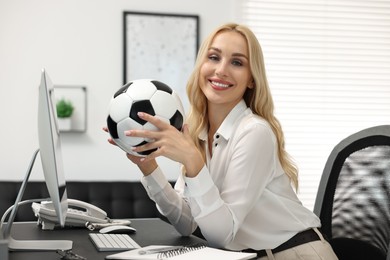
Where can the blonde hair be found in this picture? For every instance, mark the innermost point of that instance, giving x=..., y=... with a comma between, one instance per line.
x=259, y=98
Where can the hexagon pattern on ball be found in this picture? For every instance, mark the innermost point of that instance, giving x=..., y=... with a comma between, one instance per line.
x=142, y=95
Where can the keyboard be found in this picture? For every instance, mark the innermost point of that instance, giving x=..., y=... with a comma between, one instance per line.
x=113, y=242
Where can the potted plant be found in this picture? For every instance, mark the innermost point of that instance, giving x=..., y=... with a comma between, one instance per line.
x=64, y=112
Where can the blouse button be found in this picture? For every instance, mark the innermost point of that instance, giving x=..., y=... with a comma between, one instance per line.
x=217, y=136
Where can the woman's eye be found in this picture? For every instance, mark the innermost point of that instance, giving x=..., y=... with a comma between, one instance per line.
x=237, y=63
x=213, y=57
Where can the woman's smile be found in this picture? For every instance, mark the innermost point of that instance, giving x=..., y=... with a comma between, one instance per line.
x=218, y=84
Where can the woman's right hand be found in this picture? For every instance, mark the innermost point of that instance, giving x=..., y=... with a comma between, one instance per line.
x=145, y=167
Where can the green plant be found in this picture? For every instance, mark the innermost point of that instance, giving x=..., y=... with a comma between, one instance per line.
x=64, y=108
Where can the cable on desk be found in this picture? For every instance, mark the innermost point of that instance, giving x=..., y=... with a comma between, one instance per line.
x=10, y=209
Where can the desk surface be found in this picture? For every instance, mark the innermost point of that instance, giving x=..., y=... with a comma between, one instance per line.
x=149, y=232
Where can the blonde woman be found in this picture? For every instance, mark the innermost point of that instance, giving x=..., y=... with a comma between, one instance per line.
x=237, y=182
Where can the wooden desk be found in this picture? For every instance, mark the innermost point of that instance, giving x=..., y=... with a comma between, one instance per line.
x=149, y=231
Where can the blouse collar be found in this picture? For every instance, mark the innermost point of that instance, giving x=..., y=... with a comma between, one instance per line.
x=227, y=127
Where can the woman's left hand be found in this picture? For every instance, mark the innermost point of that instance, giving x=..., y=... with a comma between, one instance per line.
x=170, y=142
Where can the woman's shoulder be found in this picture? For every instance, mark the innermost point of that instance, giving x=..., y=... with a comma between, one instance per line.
x=251, y=122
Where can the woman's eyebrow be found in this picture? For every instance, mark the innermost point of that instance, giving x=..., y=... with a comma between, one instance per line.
x=215, y=49
x=238, y=54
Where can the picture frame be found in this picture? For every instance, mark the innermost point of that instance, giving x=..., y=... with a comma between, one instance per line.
x=160, y=46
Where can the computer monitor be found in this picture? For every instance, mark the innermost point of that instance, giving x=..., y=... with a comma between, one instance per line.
x=52, y=165
x=50, y=147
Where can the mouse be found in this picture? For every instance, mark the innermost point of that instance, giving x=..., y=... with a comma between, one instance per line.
x=118, y=229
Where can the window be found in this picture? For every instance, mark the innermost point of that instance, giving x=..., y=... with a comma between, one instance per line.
x=328, y=66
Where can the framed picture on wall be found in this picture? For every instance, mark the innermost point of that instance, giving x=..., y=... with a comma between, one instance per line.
x=160, y=46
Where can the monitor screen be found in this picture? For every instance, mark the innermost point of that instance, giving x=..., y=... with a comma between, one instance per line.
x=50, y=147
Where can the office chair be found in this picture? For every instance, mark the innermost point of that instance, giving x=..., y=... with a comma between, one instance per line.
x=353, y=199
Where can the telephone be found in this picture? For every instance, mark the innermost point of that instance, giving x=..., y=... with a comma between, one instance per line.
x=78, y=214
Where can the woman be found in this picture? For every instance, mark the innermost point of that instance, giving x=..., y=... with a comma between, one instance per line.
x=237, y=178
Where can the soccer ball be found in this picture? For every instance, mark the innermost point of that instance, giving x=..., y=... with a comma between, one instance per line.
x=142, y=95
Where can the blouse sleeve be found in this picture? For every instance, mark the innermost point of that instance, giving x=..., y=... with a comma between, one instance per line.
x=169, y=202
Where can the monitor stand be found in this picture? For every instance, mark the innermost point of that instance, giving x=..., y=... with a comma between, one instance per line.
x=3, y=248
x=30, y=245
x=38, y=245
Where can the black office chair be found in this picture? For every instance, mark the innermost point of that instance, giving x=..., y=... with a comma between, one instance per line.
x=353, y=199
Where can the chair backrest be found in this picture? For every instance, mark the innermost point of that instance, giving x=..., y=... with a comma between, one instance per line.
x=353, y=199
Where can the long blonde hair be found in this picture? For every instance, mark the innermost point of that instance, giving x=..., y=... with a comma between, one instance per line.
x=259, y=98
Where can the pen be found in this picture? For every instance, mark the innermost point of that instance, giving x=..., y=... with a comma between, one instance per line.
x=158, y=250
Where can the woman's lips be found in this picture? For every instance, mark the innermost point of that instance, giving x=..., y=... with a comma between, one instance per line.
x=220, y=85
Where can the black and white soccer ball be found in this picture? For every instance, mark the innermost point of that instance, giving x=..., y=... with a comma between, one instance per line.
x=142, y=95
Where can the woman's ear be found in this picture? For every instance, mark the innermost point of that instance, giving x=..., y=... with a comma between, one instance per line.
x=251, y=85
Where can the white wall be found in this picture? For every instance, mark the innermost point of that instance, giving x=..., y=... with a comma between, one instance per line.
x=79, y=42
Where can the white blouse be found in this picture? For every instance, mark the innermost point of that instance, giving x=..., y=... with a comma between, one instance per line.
x=241, y=198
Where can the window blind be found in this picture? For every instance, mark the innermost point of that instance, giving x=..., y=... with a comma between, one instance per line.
x=328, y=66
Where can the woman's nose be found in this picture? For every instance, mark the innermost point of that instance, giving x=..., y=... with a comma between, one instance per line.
x=221, y=69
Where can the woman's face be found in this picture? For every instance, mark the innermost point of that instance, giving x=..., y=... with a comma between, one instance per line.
x=225, y=73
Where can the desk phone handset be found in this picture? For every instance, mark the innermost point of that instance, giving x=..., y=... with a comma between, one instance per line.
x=78, y=214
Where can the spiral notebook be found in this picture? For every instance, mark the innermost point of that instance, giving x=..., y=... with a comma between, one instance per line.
x=187, y=253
